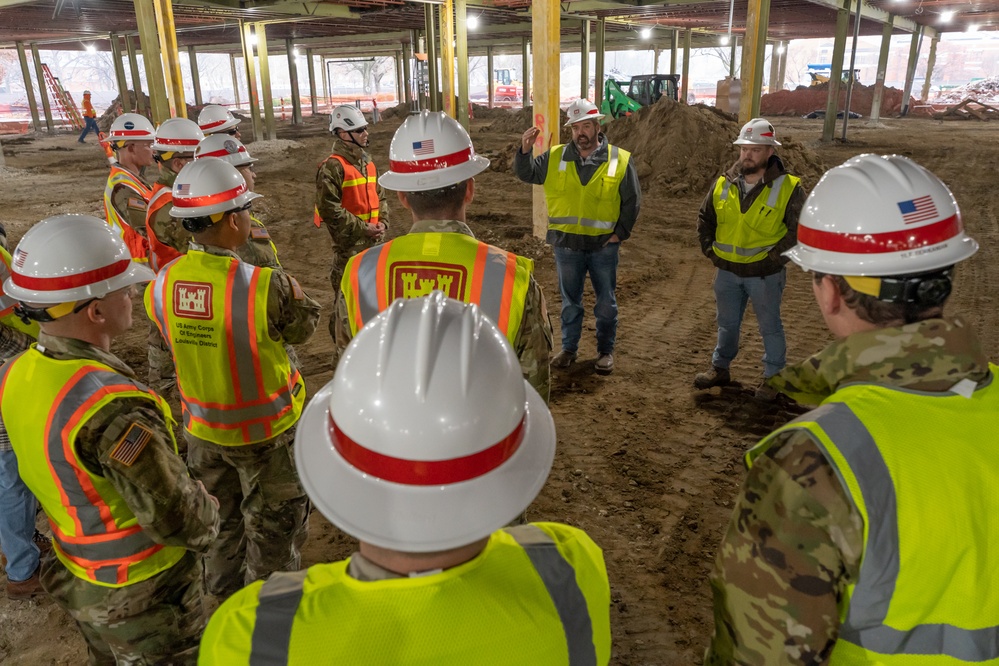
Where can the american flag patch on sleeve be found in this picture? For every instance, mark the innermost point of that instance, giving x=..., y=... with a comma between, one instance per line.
x=128, y=448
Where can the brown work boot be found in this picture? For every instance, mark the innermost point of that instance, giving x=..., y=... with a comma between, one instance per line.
x=604, y=364
x=765, y=392
x=25, y=589
x=43, y=542
x=714, y=377
x=563, y=359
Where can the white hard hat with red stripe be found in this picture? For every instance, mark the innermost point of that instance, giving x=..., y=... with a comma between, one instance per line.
x=582, y=109
x=208, y=186
x=178, y=135
x=880, y=215
x=430, y=151
x=214, y=118
x=428, y=437
x=757, y=132
x=226, y=148
x=68, y=258
x=131, y=127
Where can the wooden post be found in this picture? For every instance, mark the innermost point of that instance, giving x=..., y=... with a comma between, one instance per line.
x=836, y=75
x=774, y=67
x=753, y=47
x=159, y=105
x=29, y=89
x=931, y=60
x=461, y=49
x=267, y=97
x=252, y=93
x=545, y=18
x=43, y=92
x=119, y=73
x=673, y=47
x=192, y=55
x=598, y=65
x=879, y=83
x=447, y=57
x=141, y=106
x=910, y=72
x=171, y=58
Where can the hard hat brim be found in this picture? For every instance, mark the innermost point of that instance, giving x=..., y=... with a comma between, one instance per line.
x=884, y=264
x=202, y=211
x=746, y=142
x=433, y=180
x=421, y=519
x=591, y=116
x=135, y=274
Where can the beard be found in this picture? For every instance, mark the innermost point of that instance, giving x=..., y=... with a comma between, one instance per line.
x=749, y=167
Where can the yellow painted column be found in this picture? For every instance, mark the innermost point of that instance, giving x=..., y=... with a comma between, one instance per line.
x=584, y=59
x=267, y=97
x=447, y=56
x=28, y=88
x=133, y=67
x=171, y=58
x=930, y=62
x=43, y=93
x=461, y=51
x=753, y=46
x=119, y=73
x=253, y=93
x=545, y=18
x=145, y=15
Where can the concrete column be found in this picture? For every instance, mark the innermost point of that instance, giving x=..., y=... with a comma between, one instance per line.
x=312, y=80
x=684, y=87
x=296, y=95
x=584, y=59
x=655, y=59
x=836, y=75
x=29, y=89
x=171, y=58
x=235, y=79
x=857, y=18
x=879, y=83
x=461, y=51
x=910, y=73
x=447, y=57
x=140, y=105
x=43, y=92
x=407, y=72
x=731, y=56
x=931, y=60
x=431, y=43
x=145, y=15
x=119, y=73
x=753, y=51
x=674, y=41
x=598, y=65
x=195, y=76
x=266, y=96
x=252, y=93
x=545, y=17
x=525, y=56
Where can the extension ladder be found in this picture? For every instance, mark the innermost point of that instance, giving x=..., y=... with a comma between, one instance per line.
x=63, y=100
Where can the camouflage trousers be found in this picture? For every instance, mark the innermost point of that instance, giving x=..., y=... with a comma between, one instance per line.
x=156, y=621
x=162, y=373
x=263, y=510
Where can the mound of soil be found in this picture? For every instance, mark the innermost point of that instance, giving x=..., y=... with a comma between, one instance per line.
x=805, y=99
x=516, y=120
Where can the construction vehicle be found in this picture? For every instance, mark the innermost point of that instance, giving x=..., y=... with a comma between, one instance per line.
x=643, y=90
x=821, y=73
x=507, y=88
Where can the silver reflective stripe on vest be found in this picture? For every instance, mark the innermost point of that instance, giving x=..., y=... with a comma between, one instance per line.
x=367, y=283
x=741, y=251
x=560, y=581
x=865, y=622
x=583, y=222
x=493, y=283
x=278, y=602
x=612, y=163
x=775, y=188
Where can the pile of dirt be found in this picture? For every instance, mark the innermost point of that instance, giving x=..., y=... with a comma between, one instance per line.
x=805, y=99
x=483, y=112
x=393, y=111
x=682, y=149
x=986, y=90
x=516, y=121
x=115, y=109
x=275, y=148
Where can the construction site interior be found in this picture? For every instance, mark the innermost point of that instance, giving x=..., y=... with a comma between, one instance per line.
x=647, y=466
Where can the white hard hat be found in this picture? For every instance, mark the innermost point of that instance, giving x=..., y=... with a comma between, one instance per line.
x=68, y=258
x=131, y=127
x=582, y=109
x=178, y=135
x=348, y=118
x=214, y=118
x=880, y=215
x=428, y=437
x=757, y=132
x=226, y=148
x=208, y=186
x=430, y=151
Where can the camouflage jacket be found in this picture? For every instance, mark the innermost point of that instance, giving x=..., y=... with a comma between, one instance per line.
x=259, y=249
x=533, y=343
x=346, y=229
x=795, y=540
x=168, y=229
x=130, y=204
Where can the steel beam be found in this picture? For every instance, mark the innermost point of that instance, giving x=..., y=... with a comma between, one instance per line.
x=584, y=59
x=930, y=61
x=836, y=75
x=145, y=15
x=782, y=74
x=29, y=89
x=598, y=69
x=195, y=76
x=461, y=51
x=431, y=44
x=296, y=95
x=853, y=64
x=673, y=43
x=910, y=73
x=447, y=57
x=312, y=80
x=252, y=92
x=544, y=31
x=731, y=56
x=873, y=13
x=407, y=73
x=119, y=73
x=879, y=83
x=43, y=92
x=266, y=96
x=753, y=46
x=235, y=79
x=171, y=57
x=685, y=75
x=491, y=85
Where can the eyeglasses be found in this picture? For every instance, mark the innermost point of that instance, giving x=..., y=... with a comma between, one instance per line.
x=358, y=131
x=233, y=132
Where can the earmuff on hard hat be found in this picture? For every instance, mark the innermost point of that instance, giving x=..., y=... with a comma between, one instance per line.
x=925, y=290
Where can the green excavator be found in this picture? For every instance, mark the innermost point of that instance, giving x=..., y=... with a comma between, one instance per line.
x=643, y=90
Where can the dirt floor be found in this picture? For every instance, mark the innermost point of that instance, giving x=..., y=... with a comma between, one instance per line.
x=646, y=465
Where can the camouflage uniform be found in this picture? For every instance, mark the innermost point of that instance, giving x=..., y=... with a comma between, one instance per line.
x=795, y=541
x=259, y=250
x=158, y=620
x=130, y=204
x=263, y=507
x=533, y=343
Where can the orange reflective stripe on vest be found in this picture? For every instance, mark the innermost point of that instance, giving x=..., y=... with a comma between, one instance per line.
x=358, y=193
x=160, y=254
x=137, y=245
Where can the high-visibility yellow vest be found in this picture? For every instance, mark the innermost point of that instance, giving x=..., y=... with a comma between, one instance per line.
x=743, y=238
x=358, y=192
x=537, y=594
x=921, y=470
x=137, y=245
x=236, y=384
x=95, y=533
x=7, y=303
x=588, y=210
x=463, y=268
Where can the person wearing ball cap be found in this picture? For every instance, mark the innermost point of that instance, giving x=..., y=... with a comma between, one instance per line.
x=425, y=444
x=226, y=322
x=433, y=168
x=864, y=533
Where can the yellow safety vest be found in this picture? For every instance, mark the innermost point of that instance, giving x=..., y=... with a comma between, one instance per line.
x=537, y=594
x=745, y=238
x=95, y=533
x=921, y=470
x=236, y=384
x=463, y=268
x=7, y=303
x=137, y=245
x=588, y=210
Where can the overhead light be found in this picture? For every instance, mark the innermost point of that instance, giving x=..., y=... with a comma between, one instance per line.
x=725, y=39
x=472, y=22
x=780, y=49
x=646, y=33
x=972, y=28
x=91, y=48
x=946, y=16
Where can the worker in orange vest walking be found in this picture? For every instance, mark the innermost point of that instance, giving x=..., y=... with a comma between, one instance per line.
x=126, y=194
x=226, y=322
x=89, y=118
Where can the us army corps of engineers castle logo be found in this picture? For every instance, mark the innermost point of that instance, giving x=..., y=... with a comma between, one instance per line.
x=413, y=279
x=192, y=300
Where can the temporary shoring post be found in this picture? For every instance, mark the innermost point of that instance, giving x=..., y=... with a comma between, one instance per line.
x=42, y=92
x=407, y=72
x=836, y=73
x=761, y=39
x=910, y=71
x=774, y=67
x=655, y=58
x=312, y=80
x=879, y=85
x=731, y=55
x=674, y=42
x=930, y=61
x=545, y=25
x=431, y=62
x=461, y=42
x=491, y=85
x=28, y=87
x=525, y=59
x=195, y=75
x=399, y=78
x=584, y=59
x=119, y=73
x=447, y=56
x=253, y=95
x=753, y=47
x=145, y=15
x=235, y=79
x=171, y=58
x=782, y=72
x=853, y=63
x=133, y=69
x=324, y=75
x=267, y=97
x=296, y=95
x=598, y=65
x=686, y=67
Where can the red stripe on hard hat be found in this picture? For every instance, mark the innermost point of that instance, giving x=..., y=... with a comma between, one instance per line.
x=119, y=133
x=70, y=281
x=432, y=164
x=890, y=241
x=178, y=142
x=767, y=134
x=425, y=472
x=222, y=153
x=592, y=112
x=208, y=199
x=215, y=123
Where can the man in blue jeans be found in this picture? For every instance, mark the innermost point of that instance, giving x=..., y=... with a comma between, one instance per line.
x=746, y=223
x=593, y=197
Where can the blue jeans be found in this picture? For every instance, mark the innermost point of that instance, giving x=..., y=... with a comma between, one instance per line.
x=731, y=293
x=90, y=126
x=17, y=521
x=573, y=265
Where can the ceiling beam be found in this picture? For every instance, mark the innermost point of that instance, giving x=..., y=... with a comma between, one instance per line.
x=880, y=16
x=305, y=9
